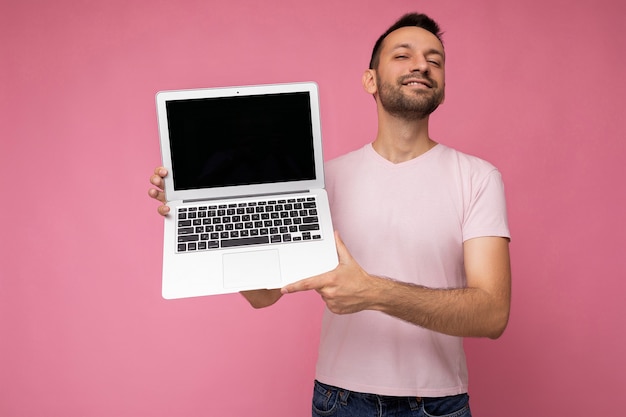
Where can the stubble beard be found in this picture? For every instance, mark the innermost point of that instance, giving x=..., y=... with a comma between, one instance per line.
x=417, y=105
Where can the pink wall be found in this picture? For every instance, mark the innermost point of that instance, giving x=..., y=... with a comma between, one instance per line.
x=537, y=87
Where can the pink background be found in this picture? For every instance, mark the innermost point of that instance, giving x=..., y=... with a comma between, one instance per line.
x=536, y=87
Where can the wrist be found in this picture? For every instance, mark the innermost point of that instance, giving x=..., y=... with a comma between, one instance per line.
x=382, y=293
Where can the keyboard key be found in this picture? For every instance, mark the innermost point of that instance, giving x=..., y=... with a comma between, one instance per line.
x=228, y=243
x=188, y=238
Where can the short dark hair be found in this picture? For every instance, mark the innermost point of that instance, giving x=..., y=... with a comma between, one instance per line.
x=410, y=19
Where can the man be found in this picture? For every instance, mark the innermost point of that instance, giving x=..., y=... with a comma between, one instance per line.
x=422, y=239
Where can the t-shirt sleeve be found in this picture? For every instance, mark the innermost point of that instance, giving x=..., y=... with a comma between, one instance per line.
x=486, y=214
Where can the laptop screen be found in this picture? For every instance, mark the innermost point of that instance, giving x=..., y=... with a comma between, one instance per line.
x=240, y=140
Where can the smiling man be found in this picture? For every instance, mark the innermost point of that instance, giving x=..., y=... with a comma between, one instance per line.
x=422, y=239
x=426, y=75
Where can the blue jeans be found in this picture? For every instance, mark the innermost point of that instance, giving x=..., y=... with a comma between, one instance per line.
x=337, y=402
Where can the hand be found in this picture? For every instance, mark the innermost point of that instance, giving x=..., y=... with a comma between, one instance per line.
x=346, y=289
x=261, y=298
x=159, y=193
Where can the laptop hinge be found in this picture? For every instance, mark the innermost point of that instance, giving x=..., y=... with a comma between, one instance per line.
x=239, y=197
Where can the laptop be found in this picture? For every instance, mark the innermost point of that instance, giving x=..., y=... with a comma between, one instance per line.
x=245, y=187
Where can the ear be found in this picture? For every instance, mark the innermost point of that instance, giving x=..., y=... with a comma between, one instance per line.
x=369, y=81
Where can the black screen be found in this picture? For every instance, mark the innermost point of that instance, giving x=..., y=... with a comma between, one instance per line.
x=242, y=140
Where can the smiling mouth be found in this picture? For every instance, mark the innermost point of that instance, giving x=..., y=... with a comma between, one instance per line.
x=417, y=83
x=413, y=80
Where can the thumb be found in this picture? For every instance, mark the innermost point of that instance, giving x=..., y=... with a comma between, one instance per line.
x=342, y=250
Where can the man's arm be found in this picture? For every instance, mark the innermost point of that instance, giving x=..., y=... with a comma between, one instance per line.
x=480, y=310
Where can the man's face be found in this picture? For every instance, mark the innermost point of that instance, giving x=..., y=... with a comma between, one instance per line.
x=410, y=77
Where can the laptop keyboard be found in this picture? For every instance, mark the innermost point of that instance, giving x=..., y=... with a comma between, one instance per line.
x=209, y=227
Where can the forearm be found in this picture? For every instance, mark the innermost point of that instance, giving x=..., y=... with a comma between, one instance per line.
x=261, y=298
x=468, y=312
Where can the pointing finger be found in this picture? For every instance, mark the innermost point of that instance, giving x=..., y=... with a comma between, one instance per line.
x=307, y=284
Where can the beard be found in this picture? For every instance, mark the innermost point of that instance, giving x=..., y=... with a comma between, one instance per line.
x=414, y=106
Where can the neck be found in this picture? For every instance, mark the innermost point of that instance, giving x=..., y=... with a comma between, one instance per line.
x=400, y=140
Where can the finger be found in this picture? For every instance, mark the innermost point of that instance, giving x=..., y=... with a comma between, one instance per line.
x=342, y=250
x=160, y=171
x=163, y=210
x=157, y=178
x=306, y=284
x=157, y=181
x=157, y=194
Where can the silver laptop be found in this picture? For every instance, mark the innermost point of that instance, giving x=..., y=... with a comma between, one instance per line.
x=245, y=187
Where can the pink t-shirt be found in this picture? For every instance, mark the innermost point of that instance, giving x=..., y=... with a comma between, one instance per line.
x=408, y=222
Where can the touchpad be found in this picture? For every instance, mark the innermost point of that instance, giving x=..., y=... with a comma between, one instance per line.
x=254, y=270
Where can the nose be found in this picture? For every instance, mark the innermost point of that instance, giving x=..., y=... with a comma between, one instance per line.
x=419, y=64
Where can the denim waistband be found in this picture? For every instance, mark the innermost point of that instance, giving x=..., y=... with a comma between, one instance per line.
x=414, y=401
